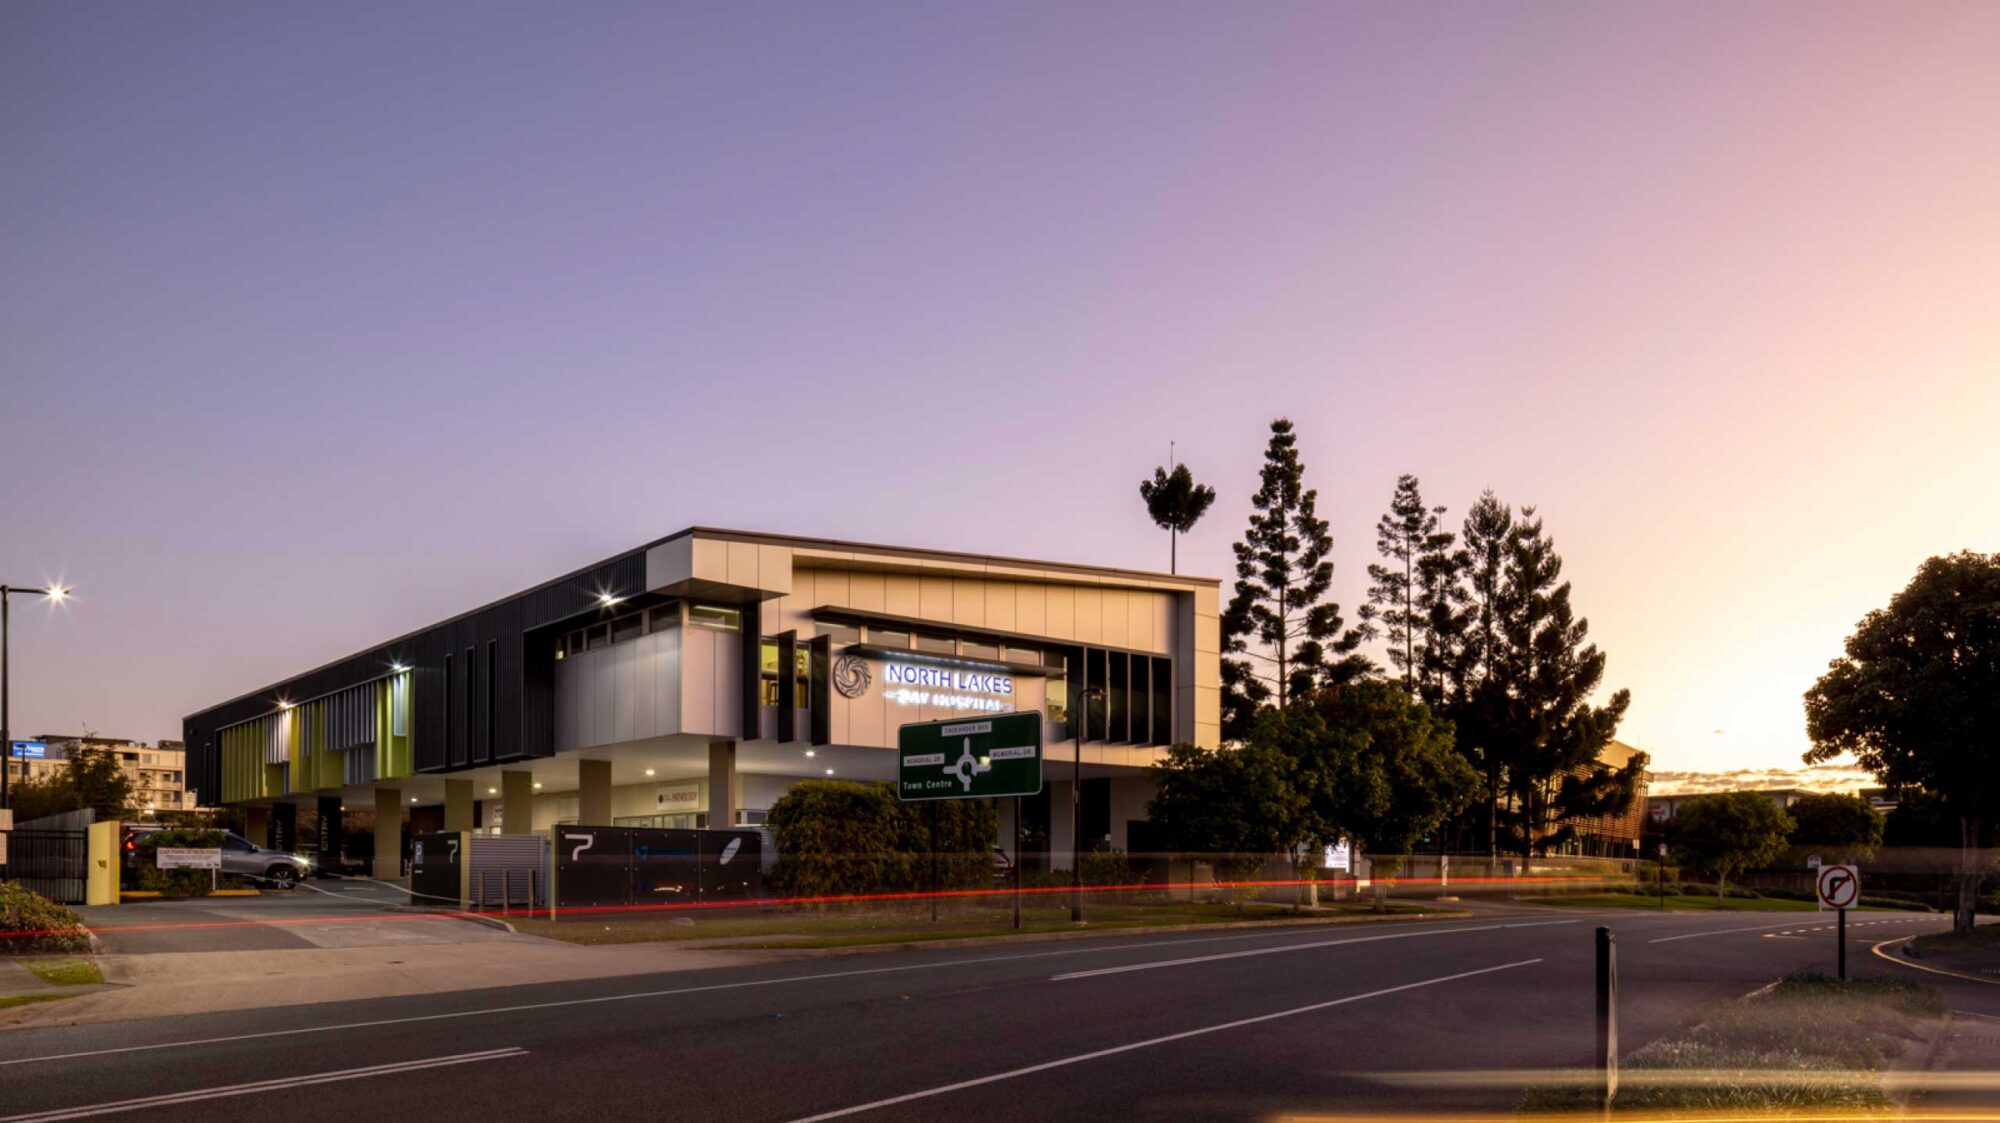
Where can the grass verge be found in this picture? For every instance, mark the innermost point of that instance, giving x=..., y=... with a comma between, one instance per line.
x=1986, y=937
x=906, y=924
x=66, y=972
x=10, y=1001
x=1809, y=1044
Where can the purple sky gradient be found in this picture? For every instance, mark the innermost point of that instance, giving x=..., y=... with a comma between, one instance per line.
x=320, y=323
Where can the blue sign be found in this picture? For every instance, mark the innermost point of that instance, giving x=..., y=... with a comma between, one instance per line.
x=31, y=750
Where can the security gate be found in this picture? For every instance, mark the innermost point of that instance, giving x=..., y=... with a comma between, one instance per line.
x=55, y=864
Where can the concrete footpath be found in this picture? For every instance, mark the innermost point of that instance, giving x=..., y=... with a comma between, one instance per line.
x=167, y=984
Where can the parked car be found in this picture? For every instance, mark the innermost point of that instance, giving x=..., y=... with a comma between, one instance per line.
x=240, y=857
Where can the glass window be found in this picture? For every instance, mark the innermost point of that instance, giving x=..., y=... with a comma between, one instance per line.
x=1163, y=702
x=1056, y=687
x=1032, y=656
x=715, y=616
x=936, y=645
x=232, y=843
x=973, y=649
x=767, y=672
x=597, y=636
x=664, y=617
x=575, y=642
x=627, y=627
x=1117, y=697
x=888, y=637
x=839, y=633
x=802, y=684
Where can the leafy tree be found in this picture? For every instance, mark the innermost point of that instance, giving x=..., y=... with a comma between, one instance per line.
x=1406, y=537
x=1236, y=807
x=1721, y=834
x=1176, y=503
x=1839, y=828
x=1279, y=614
x=1916, y=699
x=1441, y=599
x=841, y=837
x=1390, y=775
x=91, y=777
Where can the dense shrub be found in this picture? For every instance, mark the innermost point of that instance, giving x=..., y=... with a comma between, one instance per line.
x=174, y=883
x=1108, y=866
x=32, y=924
x=840, y=837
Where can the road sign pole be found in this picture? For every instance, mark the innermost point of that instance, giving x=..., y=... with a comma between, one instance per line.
x=1607, y=1017
x=1843, y=945
x=1017, y=862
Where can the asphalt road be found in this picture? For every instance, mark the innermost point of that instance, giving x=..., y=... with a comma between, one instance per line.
x=1225, y=1025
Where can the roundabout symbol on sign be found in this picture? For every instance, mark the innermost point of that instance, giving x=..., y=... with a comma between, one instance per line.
x=1839, y=886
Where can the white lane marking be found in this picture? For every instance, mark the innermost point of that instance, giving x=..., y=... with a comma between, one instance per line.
x=281, y=1084
x=1097, y=949
x=1762, y=927
x=1151, y=1041
x=1289, y=947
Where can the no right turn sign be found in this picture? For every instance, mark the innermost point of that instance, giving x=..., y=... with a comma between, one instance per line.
x=1839, y=886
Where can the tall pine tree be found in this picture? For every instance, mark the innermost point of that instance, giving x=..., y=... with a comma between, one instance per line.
x=1279, y=616
x=1551, y=734
x=1405, y=537
x=1477, y=704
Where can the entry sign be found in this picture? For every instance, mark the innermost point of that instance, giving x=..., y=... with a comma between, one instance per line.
x=189, y=858
x=975, y=758
x=1839, y=886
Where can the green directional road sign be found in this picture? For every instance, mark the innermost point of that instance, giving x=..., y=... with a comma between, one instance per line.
x=970, y=758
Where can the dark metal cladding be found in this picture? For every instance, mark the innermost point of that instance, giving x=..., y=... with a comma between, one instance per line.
x=503, y=663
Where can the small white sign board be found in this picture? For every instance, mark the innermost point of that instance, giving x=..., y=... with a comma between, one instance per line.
x=1839, y=886
x=188, y=858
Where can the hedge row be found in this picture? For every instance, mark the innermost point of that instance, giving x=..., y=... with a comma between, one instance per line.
x=32, y=924
x=840, y=837
x=175, y=883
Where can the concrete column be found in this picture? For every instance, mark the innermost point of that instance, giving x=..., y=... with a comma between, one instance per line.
x=458, y=805
x=517, y=802
x=257, y=825
x=331, y=835
x=725, y=789
x=388, y=833
x=284, y=834
x=593, y=793
x=1061, y=824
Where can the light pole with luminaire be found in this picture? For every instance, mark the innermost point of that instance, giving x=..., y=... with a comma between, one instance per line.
x=1080, y=715
x=55, y=593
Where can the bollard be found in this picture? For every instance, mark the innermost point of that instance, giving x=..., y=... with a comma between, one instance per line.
x=1607, y=1017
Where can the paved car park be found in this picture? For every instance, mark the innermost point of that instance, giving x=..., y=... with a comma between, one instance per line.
x=321, y=914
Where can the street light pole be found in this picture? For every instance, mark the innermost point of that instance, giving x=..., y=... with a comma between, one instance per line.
x=55, y=593
x=1079, y=716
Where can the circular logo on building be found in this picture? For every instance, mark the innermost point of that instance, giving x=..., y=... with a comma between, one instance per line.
x=850, y=676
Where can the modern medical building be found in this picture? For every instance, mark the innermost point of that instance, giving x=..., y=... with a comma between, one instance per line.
x=689, y=682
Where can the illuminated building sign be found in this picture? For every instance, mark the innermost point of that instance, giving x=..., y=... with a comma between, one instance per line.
x=913, y=685
x=31, y=750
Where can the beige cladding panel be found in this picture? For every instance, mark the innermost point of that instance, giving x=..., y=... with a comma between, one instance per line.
x=1000, y=615
x=1089, y=623
x=902, y=596
x=968, y=602
x=1031, y=609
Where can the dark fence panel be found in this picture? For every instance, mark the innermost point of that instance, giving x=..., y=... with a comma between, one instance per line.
x=55, y=864
x=622, y=866
x=434, y=867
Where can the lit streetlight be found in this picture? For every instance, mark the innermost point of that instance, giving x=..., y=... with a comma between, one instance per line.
x=55, y=594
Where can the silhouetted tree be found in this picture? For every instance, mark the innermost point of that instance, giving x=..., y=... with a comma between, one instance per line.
x=1279, y=613
x=1405, y=536
x=1916, y=699
x=1176, y=503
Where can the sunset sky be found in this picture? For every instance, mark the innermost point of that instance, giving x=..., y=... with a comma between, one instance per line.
x=320, y=323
